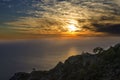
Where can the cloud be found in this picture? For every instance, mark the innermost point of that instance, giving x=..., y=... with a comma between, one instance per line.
x=39, y=25
x=52, y=16
x=113, y=29
x=117, y=2
x=75, y=9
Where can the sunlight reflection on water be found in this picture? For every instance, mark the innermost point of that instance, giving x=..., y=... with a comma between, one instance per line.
x=72, y=52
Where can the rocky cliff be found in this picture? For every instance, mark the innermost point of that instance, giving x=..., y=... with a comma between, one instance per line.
x=104, y=65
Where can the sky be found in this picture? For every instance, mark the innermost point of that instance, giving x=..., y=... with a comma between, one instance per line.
x=29, y=19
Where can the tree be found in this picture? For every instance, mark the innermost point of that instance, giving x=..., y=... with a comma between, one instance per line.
x=34, y=69
x=98, y=50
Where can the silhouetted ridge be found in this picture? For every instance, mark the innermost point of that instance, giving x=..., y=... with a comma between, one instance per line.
x=104, y=65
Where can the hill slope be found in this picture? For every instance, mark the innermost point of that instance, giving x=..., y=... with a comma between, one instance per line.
x=105, y=65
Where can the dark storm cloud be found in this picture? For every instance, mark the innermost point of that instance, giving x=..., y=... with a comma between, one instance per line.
x=108, y=28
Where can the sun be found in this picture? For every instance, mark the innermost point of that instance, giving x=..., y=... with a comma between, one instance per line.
x=72, y=28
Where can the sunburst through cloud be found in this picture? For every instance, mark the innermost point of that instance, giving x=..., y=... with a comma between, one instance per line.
x=52, y=16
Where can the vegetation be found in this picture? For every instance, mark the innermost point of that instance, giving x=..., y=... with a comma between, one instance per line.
x=104, y=65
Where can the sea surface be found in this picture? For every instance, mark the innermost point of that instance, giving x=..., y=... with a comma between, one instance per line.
x=44, y=54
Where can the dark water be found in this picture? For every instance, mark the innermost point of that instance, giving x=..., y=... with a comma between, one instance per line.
x=23, y=55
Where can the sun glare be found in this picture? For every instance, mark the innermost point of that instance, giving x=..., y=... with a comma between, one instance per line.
x=72, y=28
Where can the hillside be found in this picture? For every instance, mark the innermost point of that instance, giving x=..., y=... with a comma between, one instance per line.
x=104, y=65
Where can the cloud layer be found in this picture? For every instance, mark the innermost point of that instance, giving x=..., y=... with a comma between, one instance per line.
x=53, y=17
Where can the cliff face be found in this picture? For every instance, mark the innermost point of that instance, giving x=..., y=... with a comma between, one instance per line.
x=102, y=66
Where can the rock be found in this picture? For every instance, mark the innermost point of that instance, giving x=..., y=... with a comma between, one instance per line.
x=20, y=76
